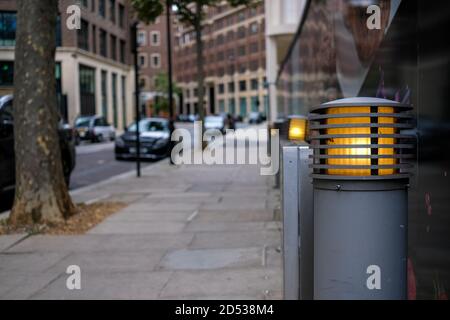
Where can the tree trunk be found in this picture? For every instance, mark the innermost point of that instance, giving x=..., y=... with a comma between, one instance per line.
x=200, y=72
x=41, y=193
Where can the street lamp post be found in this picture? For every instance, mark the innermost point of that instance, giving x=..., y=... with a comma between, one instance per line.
x=137, y=93
x=169, y=58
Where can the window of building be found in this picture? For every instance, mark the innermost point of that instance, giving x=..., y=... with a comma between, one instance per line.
x=231, y=69
x=231, y=87
x=58, y=31
x=230, y=54
x=230, y=36
x=122, y=51
x=121, y=16
x=83, y=35
x=93, y=5
x=124, y=100
x=220, y=56
x=242, y=67
x=84, y=3
x=103, y=43
x=104, y=93
x=113, y=40
x=114, y=99
x=102, y=8
x=94, y=39
x=141, y=38
x=241, y=32
x=196, y=92
x=253, y=47
x=255, y=104
x=221, y=88
x=8, y=25
x=155, y=38
x=219, y=39
x=254, y=65
x=241, y=16
x=241, y=51
x=243, y=107
x=143, y=60
x=6, y=73
x=243, y=85
x=112, y=10
x=142, y=82
x=87, y=90
x=156, y=60
x=254, y=84
x=221, y=106
x=254, y=28
x=232, y=106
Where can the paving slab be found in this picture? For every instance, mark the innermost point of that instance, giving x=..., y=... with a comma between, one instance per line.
x=252, y=282
x=29, y=262
x=126, y=215
x=7, y=241
x=213, y=259
x=102, y=243
x=213, y=226
x=243, y=215
x=112, y=262
x=19, y=286
x=235, y=239
x=138, y=227
x=104, y=285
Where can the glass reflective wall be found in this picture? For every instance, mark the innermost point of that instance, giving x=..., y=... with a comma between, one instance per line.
x=335, y=55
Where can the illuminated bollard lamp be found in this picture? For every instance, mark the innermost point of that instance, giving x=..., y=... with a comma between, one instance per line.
x=360, y=181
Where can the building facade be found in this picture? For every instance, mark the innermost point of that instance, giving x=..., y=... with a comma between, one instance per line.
x=153, y=57
x=281, y=26
x=234, y=49
x=93, y=64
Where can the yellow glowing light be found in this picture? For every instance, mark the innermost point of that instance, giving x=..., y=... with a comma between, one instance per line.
x=297, y=129
x=360, y=151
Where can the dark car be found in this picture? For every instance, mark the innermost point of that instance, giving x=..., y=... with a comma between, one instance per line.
x=94, y=128
x=255, y=117
x=7, y=156
x=154, y=140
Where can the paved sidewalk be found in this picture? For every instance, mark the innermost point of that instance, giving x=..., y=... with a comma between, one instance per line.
x=190, y=232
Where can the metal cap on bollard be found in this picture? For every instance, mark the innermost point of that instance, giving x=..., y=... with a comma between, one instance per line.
x=360, y=178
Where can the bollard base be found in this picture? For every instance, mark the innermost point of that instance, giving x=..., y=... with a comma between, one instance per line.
x=360, y=239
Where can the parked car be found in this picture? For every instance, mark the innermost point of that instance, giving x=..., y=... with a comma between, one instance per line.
x=193, y=117
x=229, y=120
x=215, y=122
x=94, y=128
x=255, y=117
x=183, y=118
x=154, y=140
x=7, y=155
x=237, y=118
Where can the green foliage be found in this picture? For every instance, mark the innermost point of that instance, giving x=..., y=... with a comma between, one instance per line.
x=162, y=86
x=149, y=10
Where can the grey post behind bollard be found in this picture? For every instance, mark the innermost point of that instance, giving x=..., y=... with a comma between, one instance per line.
x=360, y=239
x=298, y=223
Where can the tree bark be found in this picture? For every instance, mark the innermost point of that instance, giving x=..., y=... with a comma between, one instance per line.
x=200, y=72
x=41, y=193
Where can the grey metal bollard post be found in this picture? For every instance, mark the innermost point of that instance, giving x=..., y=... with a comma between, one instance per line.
x=360, y=198
x=298, y=223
